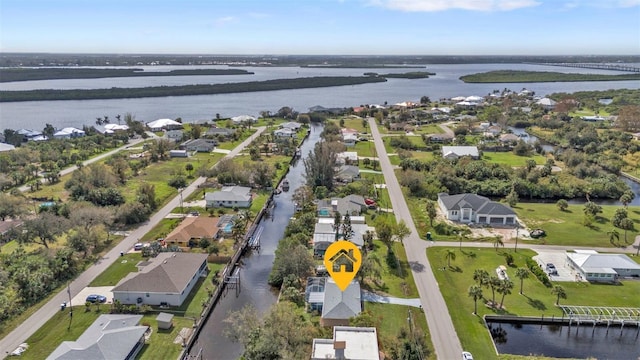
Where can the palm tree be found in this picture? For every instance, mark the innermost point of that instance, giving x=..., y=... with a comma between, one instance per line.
x=481, y=276
x=505, y=289
x=613, y=235
x=522, y=273
x=494, y=283
x=450, y=255
x=559, y=292
x=497, y=241
x=432, y=212
x=99, y=121
x=626, y=224
x=475, y=292
x=119, y=118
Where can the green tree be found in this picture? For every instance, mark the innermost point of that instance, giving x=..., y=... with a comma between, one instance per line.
x=146, y=195
x=320, y=165
x=591, y=208
x=401, y=231
x=481, y=277
x=432, y=212
x=494, y=284
x=559, y=292
x=497, y=241
x=384, y=231
x=475, y=292
x=625, y=199
x=522, y=273
x=189, y=168
x=562, y=205
x=450, y=255
x=626, y=224
x=45, y=228
x=614, y=236
x=505, y=289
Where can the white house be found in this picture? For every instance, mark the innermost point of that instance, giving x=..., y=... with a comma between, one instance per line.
x=68, y=133
x=164, y=124
x=238, y=120
x=293, y=125
x=285, y=133
x=166, y=279
x=109, y=337
x=6, y=147
x=229, y=196
x=596, y=267
x=349, y=139
x=546, y=103
x=454, y=152
x=472, y=208
x=358, y=343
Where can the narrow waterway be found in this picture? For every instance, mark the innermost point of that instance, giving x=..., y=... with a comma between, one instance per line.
x=255, y=269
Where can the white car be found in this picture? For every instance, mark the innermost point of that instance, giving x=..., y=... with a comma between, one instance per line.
x=467, y=355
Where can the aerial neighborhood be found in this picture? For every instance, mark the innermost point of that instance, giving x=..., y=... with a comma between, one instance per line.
x=473, y=216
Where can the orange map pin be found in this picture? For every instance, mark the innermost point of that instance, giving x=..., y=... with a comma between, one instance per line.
x=342, y=260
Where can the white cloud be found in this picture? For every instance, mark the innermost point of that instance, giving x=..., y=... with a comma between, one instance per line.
x=441, y=5
x=224, y=20
x=602, y=3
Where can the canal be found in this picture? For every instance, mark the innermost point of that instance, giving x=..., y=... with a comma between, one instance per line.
x=255, y=268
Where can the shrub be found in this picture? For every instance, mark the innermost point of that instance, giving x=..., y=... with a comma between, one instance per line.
x=538, y=272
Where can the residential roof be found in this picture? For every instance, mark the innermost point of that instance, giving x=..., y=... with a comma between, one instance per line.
x=460, y=151
x=603, y=263
x=348, y=171
x=116, y=127
x=479, y=204
x=284, y=131
x=69, y=131
x=220, y=131
x=195, y=227
x=241, y=118
x=6, y=147
x=291, y=125
x=230, y=193
x=199, y=143
x=360, y=343
x=509, y=137
x=164, y=317
x=162, y=123
x=341, y=304
x=166, y=273
x=109, y=337
x=546, y=102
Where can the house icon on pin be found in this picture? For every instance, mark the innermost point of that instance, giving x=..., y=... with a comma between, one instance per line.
x=343, y=258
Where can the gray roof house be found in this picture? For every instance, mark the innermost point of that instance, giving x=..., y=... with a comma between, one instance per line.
x=454, y=152
x=350, y=204
x=602, y=267
x=164, y=280
x=229, y=196
x=224, y=132
x=347, y=173
x=174, y=135
x=472, y=208
x=199, y=145
x=339, y=306
x=291, y=125
x=109, y=337
x=285, y=133
x=324, y=235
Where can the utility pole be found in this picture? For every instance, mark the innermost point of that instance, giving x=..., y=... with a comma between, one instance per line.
x=517, y=228
x=70, y=307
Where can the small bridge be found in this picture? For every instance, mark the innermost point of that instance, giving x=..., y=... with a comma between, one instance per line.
x=602, y=315
x=612, y=67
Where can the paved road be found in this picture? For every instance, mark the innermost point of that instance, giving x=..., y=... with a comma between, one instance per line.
x=443, y=334
x=40, y=317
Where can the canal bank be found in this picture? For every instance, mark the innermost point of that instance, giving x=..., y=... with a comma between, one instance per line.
x=254, y=268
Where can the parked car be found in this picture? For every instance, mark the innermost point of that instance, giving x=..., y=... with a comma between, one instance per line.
x=537, y=233
x=551, y=269
x=467, y=355
x=94, y=298
x=137, y=246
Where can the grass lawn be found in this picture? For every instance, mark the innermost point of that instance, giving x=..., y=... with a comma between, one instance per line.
x=160, y=345
x=429, y=129
x=163, y=228
x=565, y=228
x=511, y=159
x=354, y=123
x=56, y=330
x=364, y=148
x=395, y=282
x=392, y=318
x=536, y=301
x=118, y=270
x=230, y=145
x=192, y=306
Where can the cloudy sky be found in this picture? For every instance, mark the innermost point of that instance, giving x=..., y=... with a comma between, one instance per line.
x=338, y=27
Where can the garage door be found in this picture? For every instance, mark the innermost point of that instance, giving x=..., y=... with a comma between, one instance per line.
x=510, y=220
x=496, y=220
x=482, y=219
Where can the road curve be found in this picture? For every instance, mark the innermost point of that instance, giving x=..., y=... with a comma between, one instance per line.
x=21, y=333
x=443, y=335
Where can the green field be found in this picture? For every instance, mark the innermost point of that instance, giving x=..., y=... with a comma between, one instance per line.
x=364, y=148
x=514, y=76
x=536, y=301
x=395, y=282
x=565, y=228
x=511, y=159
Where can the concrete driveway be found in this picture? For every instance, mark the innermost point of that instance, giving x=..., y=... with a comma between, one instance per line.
x=559, y=259
x=81, y=298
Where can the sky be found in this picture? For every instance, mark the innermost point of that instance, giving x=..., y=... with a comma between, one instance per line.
x=322, y=27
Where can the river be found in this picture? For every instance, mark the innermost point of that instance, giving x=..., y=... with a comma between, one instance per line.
x=445, y=84
x=255, y=269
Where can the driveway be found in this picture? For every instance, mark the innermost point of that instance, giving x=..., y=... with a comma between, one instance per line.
x=81, y=298
x=559, y=259
x=373, y=297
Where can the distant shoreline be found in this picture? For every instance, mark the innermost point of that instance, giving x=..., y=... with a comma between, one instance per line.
x=514, y=76
x=29, y=74
x=186, y=90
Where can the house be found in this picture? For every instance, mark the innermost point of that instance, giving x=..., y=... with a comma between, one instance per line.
x=285, y=133
x=31, y=135
x=339, y=306
x=174, y=135
x=164, y=124
x=116, y=127
x=546, y=103
x=348, y=158
x=69, y=133
x=178, y=153
x=509, y=138
x=242, y=119
x=350, y=204
x=349, y=139
x=472, y=208
x=109, y=337
x=199, y=145
x=166, y=279
x=347, y=173
x=229, y=196
x=322, y=109
x=220, y=132
x=324, y=234
x=191, y=230
x=292, y=125
x=454, y=152
x=6, y=147
x=356, y=343
x=440, y=138
x=596, y=267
